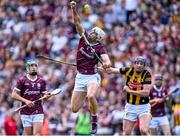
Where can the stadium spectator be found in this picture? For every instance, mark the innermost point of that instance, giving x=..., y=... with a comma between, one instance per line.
x=10, y=124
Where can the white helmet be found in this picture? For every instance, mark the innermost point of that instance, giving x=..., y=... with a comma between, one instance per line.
x=101, y=34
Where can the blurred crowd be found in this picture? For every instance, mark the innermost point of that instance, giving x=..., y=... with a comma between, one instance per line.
x=150, y=28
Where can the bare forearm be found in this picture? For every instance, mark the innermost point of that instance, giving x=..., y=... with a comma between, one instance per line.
x=76, y=17
x=16, y=96
x=139, y=93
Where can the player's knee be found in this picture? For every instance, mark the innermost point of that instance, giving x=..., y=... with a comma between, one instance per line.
x=91, y=96
x=144, y=130
x=167, y=133
x=74, y=109
x=37, y=133
x=126, y=131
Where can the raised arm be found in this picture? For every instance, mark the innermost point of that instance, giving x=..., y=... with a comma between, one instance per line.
x=76, y=18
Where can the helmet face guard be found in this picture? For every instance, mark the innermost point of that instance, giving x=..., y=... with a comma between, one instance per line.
x=100, y=33
x=138, y=66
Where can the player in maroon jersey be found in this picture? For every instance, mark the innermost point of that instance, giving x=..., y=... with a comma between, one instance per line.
x=29, y=88
x=159, y=118
x=87, y=79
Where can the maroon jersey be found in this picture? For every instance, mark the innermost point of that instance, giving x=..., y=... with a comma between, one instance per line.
x=159, y=109
x=86, y=60
x=31, y=90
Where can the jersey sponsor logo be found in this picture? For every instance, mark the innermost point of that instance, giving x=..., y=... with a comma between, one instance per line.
x=31, y=92
x=134, y=85
x=88, y=54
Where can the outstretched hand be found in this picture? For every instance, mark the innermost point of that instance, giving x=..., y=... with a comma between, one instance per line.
x=29, y=103
x=106, y=65
x=47, y=96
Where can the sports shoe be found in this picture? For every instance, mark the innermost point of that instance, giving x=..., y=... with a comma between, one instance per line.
x=94, y=128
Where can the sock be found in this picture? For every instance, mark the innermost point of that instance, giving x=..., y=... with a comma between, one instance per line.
x=94, y=118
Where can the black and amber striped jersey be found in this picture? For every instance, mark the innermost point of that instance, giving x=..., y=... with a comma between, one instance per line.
x=135, y=82
x=176, y=110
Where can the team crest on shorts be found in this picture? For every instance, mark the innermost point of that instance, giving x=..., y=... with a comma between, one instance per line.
x=127, y=114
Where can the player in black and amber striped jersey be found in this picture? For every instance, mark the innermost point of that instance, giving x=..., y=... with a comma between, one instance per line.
x=135, y=82
x=138, y=84
x=176, y=114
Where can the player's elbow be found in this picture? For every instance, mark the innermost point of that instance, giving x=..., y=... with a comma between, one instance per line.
x=13, y=95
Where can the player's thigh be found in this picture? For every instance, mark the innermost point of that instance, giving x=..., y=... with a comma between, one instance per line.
x=166, y=129
x=27, y=124
x=128, y=126
x=37, y=128
x=93, y=84
x=28, y=131
x=144, y=121
x=92, y=89
x=78, y=98
x=37, y=123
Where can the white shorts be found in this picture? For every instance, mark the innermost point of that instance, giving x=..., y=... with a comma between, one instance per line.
x=177, y=130
x=132, y=112
x=28, y=120
x=82, y=81
x=158, y=121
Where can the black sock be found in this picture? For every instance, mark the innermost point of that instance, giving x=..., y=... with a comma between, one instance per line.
x=94, y=118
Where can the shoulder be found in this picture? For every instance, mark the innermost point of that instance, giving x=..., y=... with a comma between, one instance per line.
x=147, y=73
x=146, y=77
x=22, y=78
x=100, y=46
x=124, y=70
x=40, y=78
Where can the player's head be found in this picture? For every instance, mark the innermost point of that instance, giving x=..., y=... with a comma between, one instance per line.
x=32, y=67
x=158, y=80
x=139, y=63
x=96, y=35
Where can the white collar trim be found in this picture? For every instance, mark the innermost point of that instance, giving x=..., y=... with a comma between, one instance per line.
x=30, y=78
x=158, y=89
